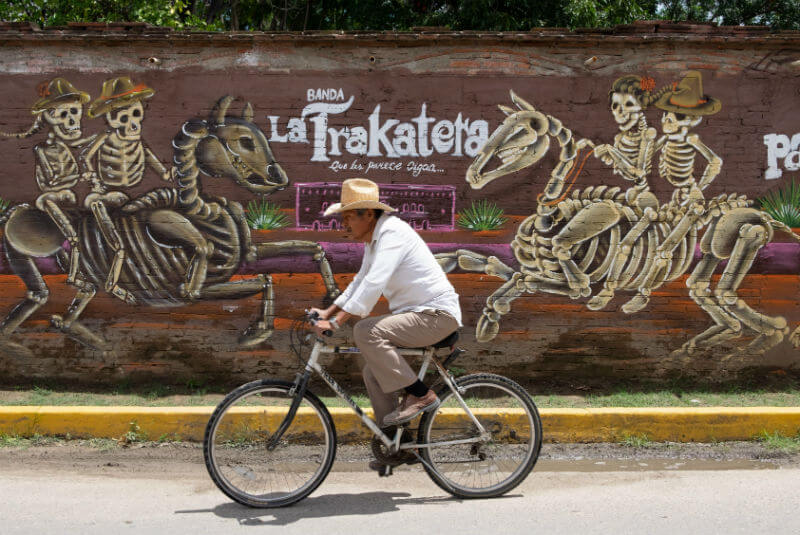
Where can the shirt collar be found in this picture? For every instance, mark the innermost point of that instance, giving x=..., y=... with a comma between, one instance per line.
x=378, y=226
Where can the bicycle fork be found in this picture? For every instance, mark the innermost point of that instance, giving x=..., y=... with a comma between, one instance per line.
x=298, y=390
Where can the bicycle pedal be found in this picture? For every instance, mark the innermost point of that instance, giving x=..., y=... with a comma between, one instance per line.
x=386, y=471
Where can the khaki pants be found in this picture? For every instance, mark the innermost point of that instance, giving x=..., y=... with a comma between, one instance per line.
x=386, y=372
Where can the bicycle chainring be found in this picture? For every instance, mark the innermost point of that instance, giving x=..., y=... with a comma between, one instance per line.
x=381, y=452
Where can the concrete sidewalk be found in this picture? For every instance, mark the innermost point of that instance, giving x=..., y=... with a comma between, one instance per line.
x=708, y=424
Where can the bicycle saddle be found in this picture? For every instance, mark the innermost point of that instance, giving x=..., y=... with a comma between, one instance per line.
x=449, y=341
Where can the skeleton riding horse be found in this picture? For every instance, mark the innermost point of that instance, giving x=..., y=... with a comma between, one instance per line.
x=569, y=245
x=181, y=244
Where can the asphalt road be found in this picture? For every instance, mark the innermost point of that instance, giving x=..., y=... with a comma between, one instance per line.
x=75, y=491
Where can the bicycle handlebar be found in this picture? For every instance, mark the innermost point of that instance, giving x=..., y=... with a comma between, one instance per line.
x=313, y=318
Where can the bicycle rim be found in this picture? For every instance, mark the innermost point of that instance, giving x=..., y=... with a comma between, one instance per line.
x=491, y=467
x=236, y=453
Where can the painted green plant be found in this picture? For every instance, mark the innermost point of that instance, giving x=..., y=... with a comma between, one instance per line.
x=263, y=215
x=783, y=204
x=4, y=205
x=482, y=215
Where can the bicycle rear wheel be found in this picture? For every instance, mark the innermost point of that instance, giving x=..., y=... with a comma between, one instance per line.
x=507, y=454
x=235, y=445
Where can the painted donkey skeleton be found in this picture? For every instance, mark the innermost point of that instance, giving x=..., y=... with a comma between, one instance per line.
x=569, y=244
x=182, y=245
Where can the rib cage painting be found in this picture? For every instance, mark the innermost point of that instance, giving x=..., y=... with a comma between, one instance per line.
x=168, y=247
x=589, y=243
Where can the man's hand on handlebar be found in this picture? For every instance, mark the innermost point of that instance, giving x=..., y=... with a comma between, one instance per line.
x=325, y=322
x=323, y=328
x=321, y=314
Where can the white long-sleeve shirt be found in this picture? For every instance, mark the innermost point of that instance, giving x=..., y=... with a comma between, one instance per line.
x=398, y=264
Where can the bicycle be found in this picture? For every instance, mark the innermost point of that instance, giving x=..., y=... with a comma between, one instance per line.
x=271, y=443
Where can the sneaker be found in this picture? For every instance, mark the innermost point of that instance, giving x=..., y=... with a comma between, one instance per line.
x=410, y=407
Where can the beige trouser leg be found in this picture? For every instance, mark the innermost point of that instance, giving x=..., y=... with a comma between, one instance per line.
x=386, y=372
x=382, y=403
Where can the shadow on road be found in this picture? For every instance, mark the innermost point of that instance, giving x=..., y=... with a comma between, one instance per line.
x=329, y=505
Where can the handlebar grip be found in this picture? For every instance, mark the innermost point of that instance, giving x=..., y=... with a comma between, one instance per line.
x=313, y=317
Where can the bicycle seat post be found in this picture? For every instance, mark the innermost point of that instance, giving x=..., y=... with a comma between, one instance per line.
x=427, y=354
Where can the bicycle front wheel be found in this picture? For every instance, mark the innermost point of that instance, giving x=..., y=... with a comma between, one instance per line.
x=481, y=466
x=236, y=438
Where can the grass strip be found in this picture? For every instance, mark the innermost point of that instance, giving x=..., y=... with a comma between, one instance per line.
x=779, y=442
x=166, y=396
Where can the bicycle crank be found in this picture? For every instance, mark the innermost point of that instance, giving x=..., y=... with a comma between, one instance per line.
x=381, y=452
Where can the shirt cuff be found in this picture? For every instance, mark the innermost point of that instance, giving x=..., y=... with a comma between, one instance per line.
x=340, y=301
x=354, y=308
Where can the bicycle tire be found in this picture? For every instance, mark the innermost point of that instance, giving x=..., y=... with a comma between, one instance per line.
x=516, y=437
x=235, y=453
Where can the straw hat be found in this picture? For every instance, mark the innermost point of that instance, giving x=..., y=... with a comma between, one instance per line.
x=687, y=98
x=118, y=93
x=55, y=92
x=358, y=193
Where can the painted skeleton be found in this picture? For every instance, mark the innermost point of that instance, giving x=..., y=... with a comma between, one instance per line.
x=122, y=154
x=631, y=157
x=677, y=150
x=570, y=242
x=632, y=151
x=57, y=172
x=116, y=161
x=56, y=168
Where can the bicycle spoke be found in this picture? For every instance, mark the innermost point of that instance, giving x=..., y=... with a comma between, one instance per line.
x=236, y=446
x=484, y=467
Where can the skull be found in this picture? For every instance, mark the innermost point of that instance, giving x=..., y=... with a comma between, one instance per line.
x=127, y=121
x=672, y=123
x=626, y=109
x=519, y=142
x=65, y=120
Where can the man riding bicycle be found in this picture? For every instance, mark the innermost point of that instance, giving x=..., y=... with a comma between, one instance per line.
x=424, y=306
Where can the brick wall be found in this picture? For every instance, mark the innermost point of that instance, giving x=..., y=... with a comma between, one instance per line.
x=417, y=109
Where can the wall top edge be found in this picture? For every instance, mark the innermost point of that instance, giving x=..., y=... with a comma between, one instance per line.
x=639, y=31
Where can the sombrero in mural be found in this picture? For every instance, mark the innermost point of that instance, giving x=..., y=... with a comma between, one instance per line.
x=55, y=92
x=358, y=193
x=687, y=97
x=118, y=93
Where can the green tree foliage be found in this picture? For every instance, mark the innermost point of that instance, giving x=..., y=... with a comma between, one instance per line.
x=606, y=13
x=174, y=13
x=399, y=15
x=778, y=14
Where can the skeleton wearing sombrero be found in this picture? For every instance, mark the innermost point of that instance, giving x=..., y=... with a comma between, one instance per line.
x=60, y=107
x=117, y=160
x=631, y=156
x=684, y=108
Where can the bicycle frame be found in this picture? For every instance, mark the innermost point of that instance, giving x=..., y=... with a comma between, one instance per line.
x=313, y=365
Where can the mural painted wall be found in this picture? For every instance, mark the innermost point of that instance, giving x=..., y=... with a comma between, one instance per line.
x=602, y=203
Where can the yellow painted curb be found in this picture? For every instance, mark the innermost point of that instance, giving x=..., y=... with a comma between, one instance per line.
x=559, y=425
